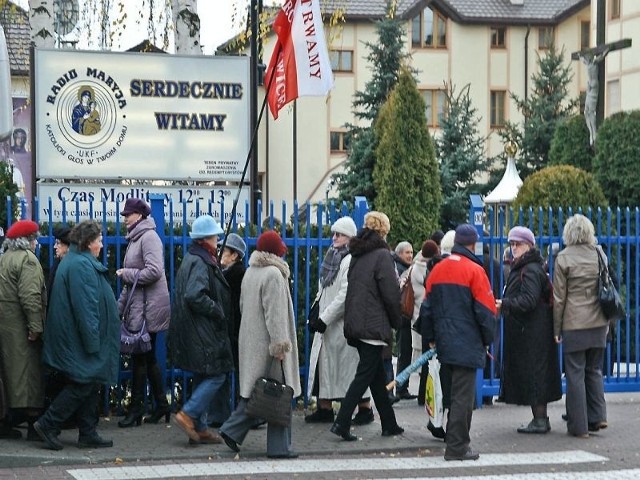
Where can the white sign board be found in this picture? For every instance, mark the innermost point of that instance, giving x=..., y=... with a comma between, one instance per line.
x=64, y=202
x=140, y=116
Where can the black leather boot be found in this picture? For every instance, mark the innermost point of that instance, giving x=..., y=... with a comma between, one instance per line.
x=136, y=407
x=159, y=395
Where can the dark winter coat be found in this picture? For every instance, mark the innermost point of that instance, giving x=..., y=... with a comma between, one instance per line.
x=82, y=332
x=459, y=311
x=531, y=374
x=201, y=318
x=234, y=275
x=150, y=301
x=372, y=305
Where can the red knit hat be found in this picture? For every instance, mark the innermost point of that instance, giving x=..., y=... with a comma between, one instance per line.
x=22, y=228
x=271, y=242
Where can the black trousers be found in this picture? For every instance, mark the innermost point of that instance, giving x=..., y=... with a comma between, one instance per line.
x=463, y=391
x=405, y=351
x=75, y=399
x=369, y=373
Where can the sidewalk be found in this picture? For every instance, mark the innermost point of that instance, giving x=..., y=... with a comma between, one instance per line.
x=493, y=431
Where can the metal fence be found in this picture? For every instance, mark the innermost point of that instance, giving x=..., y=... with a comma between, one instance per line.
x=305, y=230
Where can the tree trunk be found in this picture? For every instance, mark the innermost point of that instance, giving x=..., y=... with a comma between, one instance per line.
x=187, y=27
x=41, y=12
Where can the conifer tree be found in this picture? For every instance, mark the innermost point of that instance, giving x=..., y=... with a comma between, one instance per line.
x=460, y=153
x=384, y=59
x=406, y=174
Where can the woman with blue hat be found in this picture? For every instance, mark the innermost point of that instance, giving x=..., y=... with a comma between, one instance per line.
x=201, y=320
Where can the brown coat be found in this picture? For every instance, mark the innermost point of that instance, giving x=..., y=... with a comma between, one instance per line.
x=575, y=290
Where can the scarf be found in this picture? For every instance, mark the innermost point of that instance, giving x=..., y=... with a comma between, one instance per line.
x=331, y=265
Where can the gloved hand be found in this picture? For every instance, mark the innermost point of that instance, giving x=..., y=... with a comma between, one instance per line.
x=317, y=326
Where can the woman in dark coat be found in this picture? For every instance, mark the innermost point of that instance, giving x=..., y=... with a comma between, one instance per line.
x=372, y=309
x=531, y=375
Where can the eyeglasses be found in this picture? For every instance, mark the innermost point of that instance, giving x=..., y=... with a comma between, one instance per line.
x=515, y=244
x=338, y=234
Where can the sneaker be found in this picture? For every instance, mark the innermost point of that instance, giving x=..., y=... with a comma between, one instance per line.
x=363, y=417
x=321, y=415
x=94, y=441
x=49, y=437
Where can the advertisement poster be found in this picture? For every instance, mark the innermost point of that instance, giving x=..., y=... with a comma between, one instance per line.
x=140, y=116
x=19, y=155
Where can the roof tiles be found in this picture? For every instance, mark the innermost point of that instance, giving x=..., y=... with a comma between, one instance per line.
x=15, y=22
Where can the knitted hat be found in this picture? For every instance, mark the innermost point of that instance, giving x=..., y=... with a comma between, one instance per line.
x=205, y=226
x=437, y=236
x=466, y=234
x=378, y=222
x=236, y=243
x=136, y=205
x=345, y=226
x=22, y=228
x=271, y=242
x=429, y=249
x=61, y=233
x=522, y=234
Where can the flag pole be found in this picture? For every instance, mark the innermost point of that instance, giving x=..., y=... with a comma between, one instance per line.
x=254, y=137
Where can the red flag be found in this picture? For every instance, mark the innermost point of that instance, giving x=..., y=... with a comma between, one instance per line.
x=300, y=63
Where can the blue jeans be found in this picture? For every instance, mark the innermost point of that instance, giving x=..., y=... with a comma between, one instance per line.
x=204, y=390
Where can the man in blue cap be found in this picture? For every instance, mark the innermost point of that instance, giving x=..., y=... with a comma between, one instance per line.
x=459, y=318
x=201, y=320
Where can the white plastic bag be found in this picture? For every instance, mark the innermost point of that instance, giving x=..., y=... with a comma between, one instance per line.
x=433, y=394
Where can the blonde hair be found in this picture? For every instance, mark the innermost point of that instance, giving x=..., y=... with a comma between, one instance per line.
x=578, y=231
x=378, y=222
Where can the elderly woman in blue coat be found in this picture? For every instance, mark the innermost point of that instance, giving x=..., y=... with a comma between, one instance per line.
x=81, y=339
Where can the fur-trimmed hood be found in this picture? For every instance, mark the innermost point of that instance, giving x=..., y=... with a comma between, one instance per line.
x=266, y=259
x=366, y=241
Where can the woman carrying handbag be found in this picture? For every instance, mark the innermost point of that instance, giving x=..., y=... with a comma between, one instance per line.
x=148, y=304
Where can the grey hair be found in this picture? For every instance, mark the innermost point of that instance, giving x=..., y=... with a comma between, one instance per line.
x=446, y=244
x=84, y=233
x=402, y=246
x=578, y=231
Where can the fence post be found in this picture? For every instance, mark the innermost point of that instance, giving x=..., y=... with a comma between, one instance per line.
x=156, y=200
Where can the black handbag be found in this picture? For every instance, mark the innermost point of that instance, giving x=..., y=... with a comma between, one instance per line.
x=133, y=342
x=271, y=400
x=608, y=295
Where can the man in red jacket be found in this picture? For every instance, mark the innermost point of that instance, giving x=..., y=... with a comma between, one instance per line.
x=459, y=319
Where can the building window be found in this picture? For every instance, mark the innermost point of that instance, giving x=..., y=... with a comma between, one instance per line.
x=498, y=37
x=585, y=34
x=497, y=108
x=614, y=8
x=435, y=102
x=339, y=141
x=341, y=60
x=545, y=38
x=429, y=29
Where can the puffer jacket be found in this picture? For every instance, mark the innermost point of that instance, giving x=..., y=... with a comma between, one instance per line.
x=459, y=311
x=201, y=318
x=372, y=305
x=150, y=300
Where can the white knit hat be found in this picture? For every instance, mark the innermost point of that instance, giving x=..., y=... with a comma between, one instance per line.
x=346, y=226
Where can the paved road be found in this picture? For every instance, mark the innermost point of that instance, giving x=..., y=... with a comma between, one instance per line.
x=161, y=451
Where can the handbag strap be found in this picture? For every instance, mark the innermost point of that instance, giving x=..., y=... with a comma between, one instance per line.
x=266, y=374
x=130, y=291
x=603, y=272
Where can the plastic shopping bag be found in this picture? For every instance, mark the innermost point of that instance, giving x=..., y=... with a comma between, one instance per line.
x=433, y=394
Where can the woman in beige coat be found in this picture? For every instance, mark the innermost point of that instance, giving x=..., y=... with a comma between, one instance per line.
x=581, y=326
x=267, y=338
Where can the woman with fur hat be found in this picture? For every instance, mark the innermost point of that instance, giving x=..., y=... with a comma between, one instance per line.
x=372, y=309
x=22, y=310
x=333, y=362
x=530, y=374
x=144, y=260
x=268, y=344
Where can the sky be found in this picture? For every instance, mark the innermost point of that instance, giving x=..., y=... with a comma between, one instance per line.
x=216, y=22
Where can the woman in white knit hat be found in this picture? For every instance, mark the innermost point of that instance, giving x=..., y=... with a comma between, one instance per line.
x=332, y=363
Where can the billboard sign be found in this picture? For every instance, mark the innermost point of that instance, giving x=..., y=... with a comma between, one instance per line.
x=104, y=115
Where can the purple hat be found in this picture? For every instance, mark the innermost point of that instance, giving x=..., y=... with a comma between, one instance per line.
x=136, y=205
x=466, y=234
x=522, y=234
